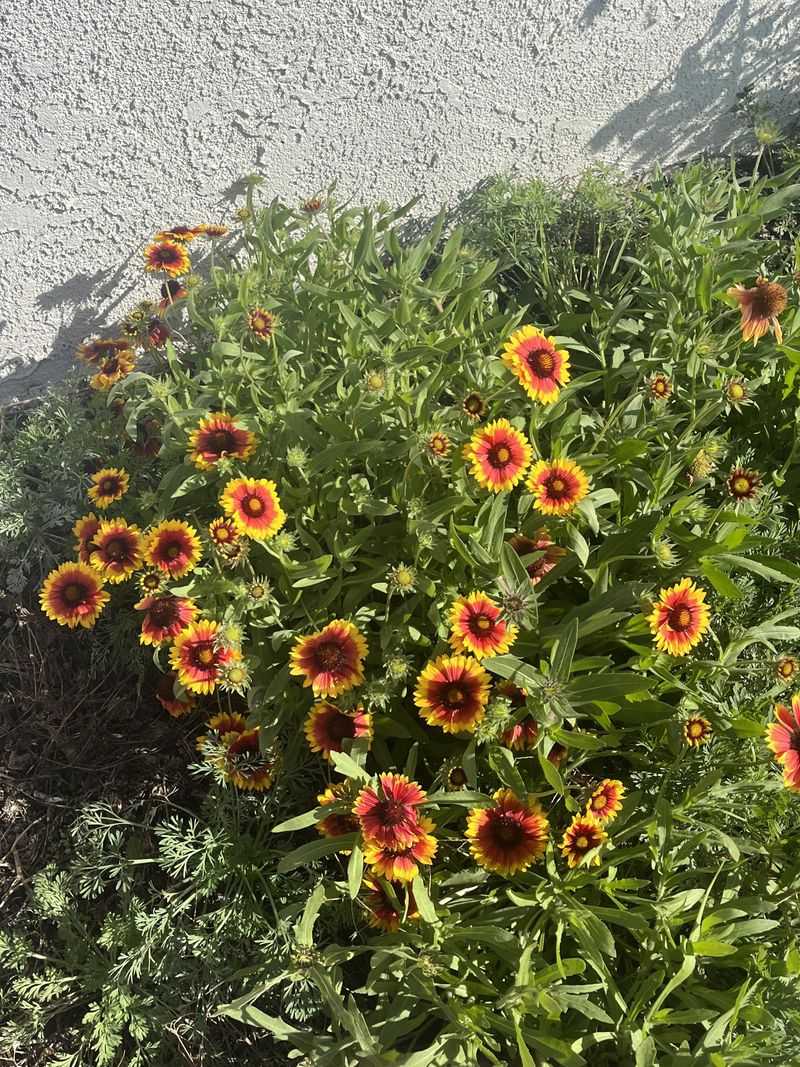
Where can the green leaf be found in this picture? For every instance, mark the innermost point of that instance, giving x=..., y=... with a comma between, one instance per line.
x=424, y=903
x=501, y=760
x=599, y=688
x=304, y=931
x=315, y=850
x=355, y=870
x=299, y=822
x=711, y=948
x=347, y=766
x=564, y=650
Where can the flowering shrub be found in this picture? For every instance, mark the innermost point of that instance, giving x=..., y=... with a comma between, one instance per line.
x=460, y=599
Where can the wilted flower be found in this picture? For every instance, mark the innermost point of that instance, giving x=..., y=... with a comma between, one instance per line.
x=296, y=457
x=664, y=551
x=787, y=668
x=285, y=542
x=235, y=678
x=398, y=666
x=736, y=393
x=402, y=579
x=760, y=308
x=375, y=381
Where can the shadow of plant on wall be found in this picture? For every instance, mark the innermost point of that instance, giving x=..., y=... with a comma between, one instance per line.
x=690, y=108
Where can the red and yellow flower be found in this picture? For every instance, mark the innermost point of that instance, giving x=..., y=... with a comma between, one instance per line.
x=558, y=485
x=169, y=256
x=171, y=291
x=743, y=484
x=438, y=444
x=584, y=835
x=498, y=456
x=401, y=864
x=173, y=547
x=254, y=506
x=478, y=627
x=541, y=368
x=197, y=656
x=384, y=914
x=660, y=387
x=223, y=532
x=117, y=550
x=605, y=803
x=389, y=812
x=697, y=731
x=327, y=727
x=508, y=836
x=331, y=660
x=221, y=730
x=452, y=692
x=85, y=529
x=338, y=823
x=178, y=233
x=783, y=737
x=474, y=405
x=522, y=736
x=245, y=765
x=164, y=617
x=112, y=369
x=108, y=485
x=212, y=229
x=680, y=618
x=548, y=554
x=218, y=437
x=178, y=703
x=787, y=668
x=73, y=595
x=261, y=323
x=760, y=307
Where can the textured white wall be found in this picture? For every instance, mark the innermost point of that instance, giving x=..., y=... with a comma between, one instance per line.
x=122, y=116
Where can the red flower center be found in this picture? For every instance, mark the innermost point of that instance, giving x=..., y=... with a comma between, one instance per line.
x=457, y=776
x=222, y=441
x=252, y=506
x=499, y=456
x=117, y=549
x=340, y=726
x=331, y=657
x=794, y=741
x=73, y=593
x=222, y=533
x=391, y=812
x=507, y=831
x=109, y=486
x=582, y=842
x=167, y=255
x=164, y=612
x=172, y=551
x=454, y=697
x=680, y=618
x=480, y=624
x=541, y=363
x=599, y=802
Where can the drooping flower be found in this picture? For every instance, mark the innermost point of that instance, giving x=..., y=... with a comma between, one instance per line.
x=605, y=803
x=583, y=835
x=375, y=380
x=521, y=736
x=327, y=727
x=736, y=393
x=112, y=369
x=178, y=233
x=478, y=627
x=548, y=554
x=98, y=350
x=172, y=291
x=383, y=913
x=783, y=737
x=164, y=617
x=438, y=444
x=73, y=595
x=108, y=485
x=743, y=484
x=216, y=437
x=452, y=692
x=402, y=579
x=331, y=660
x=498, y=456
x=261, y=323
x=168, y=256
x=212, y=229
x=389, y=812
x=312, y=205
x=158, y=333
x=660, y=387
x=254, y=506
x=697, y=731
x=474, y=405
x=760, y=307
x=117, y=550
x=174, y=547
x=245, y=765
x=221, y=730
x=177, y=704
x=508, y=836
x=338, y=823
x=787, y=668
x=197, y=656
x=85, y=529
x=401, y=864
x=558, y=485
x=223, y=532
x=456, y=778
x=680, y=618
x=542, y=369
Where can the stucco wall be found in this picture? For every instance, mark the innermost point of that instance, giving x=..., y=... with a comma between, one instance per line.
x=122, y=116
